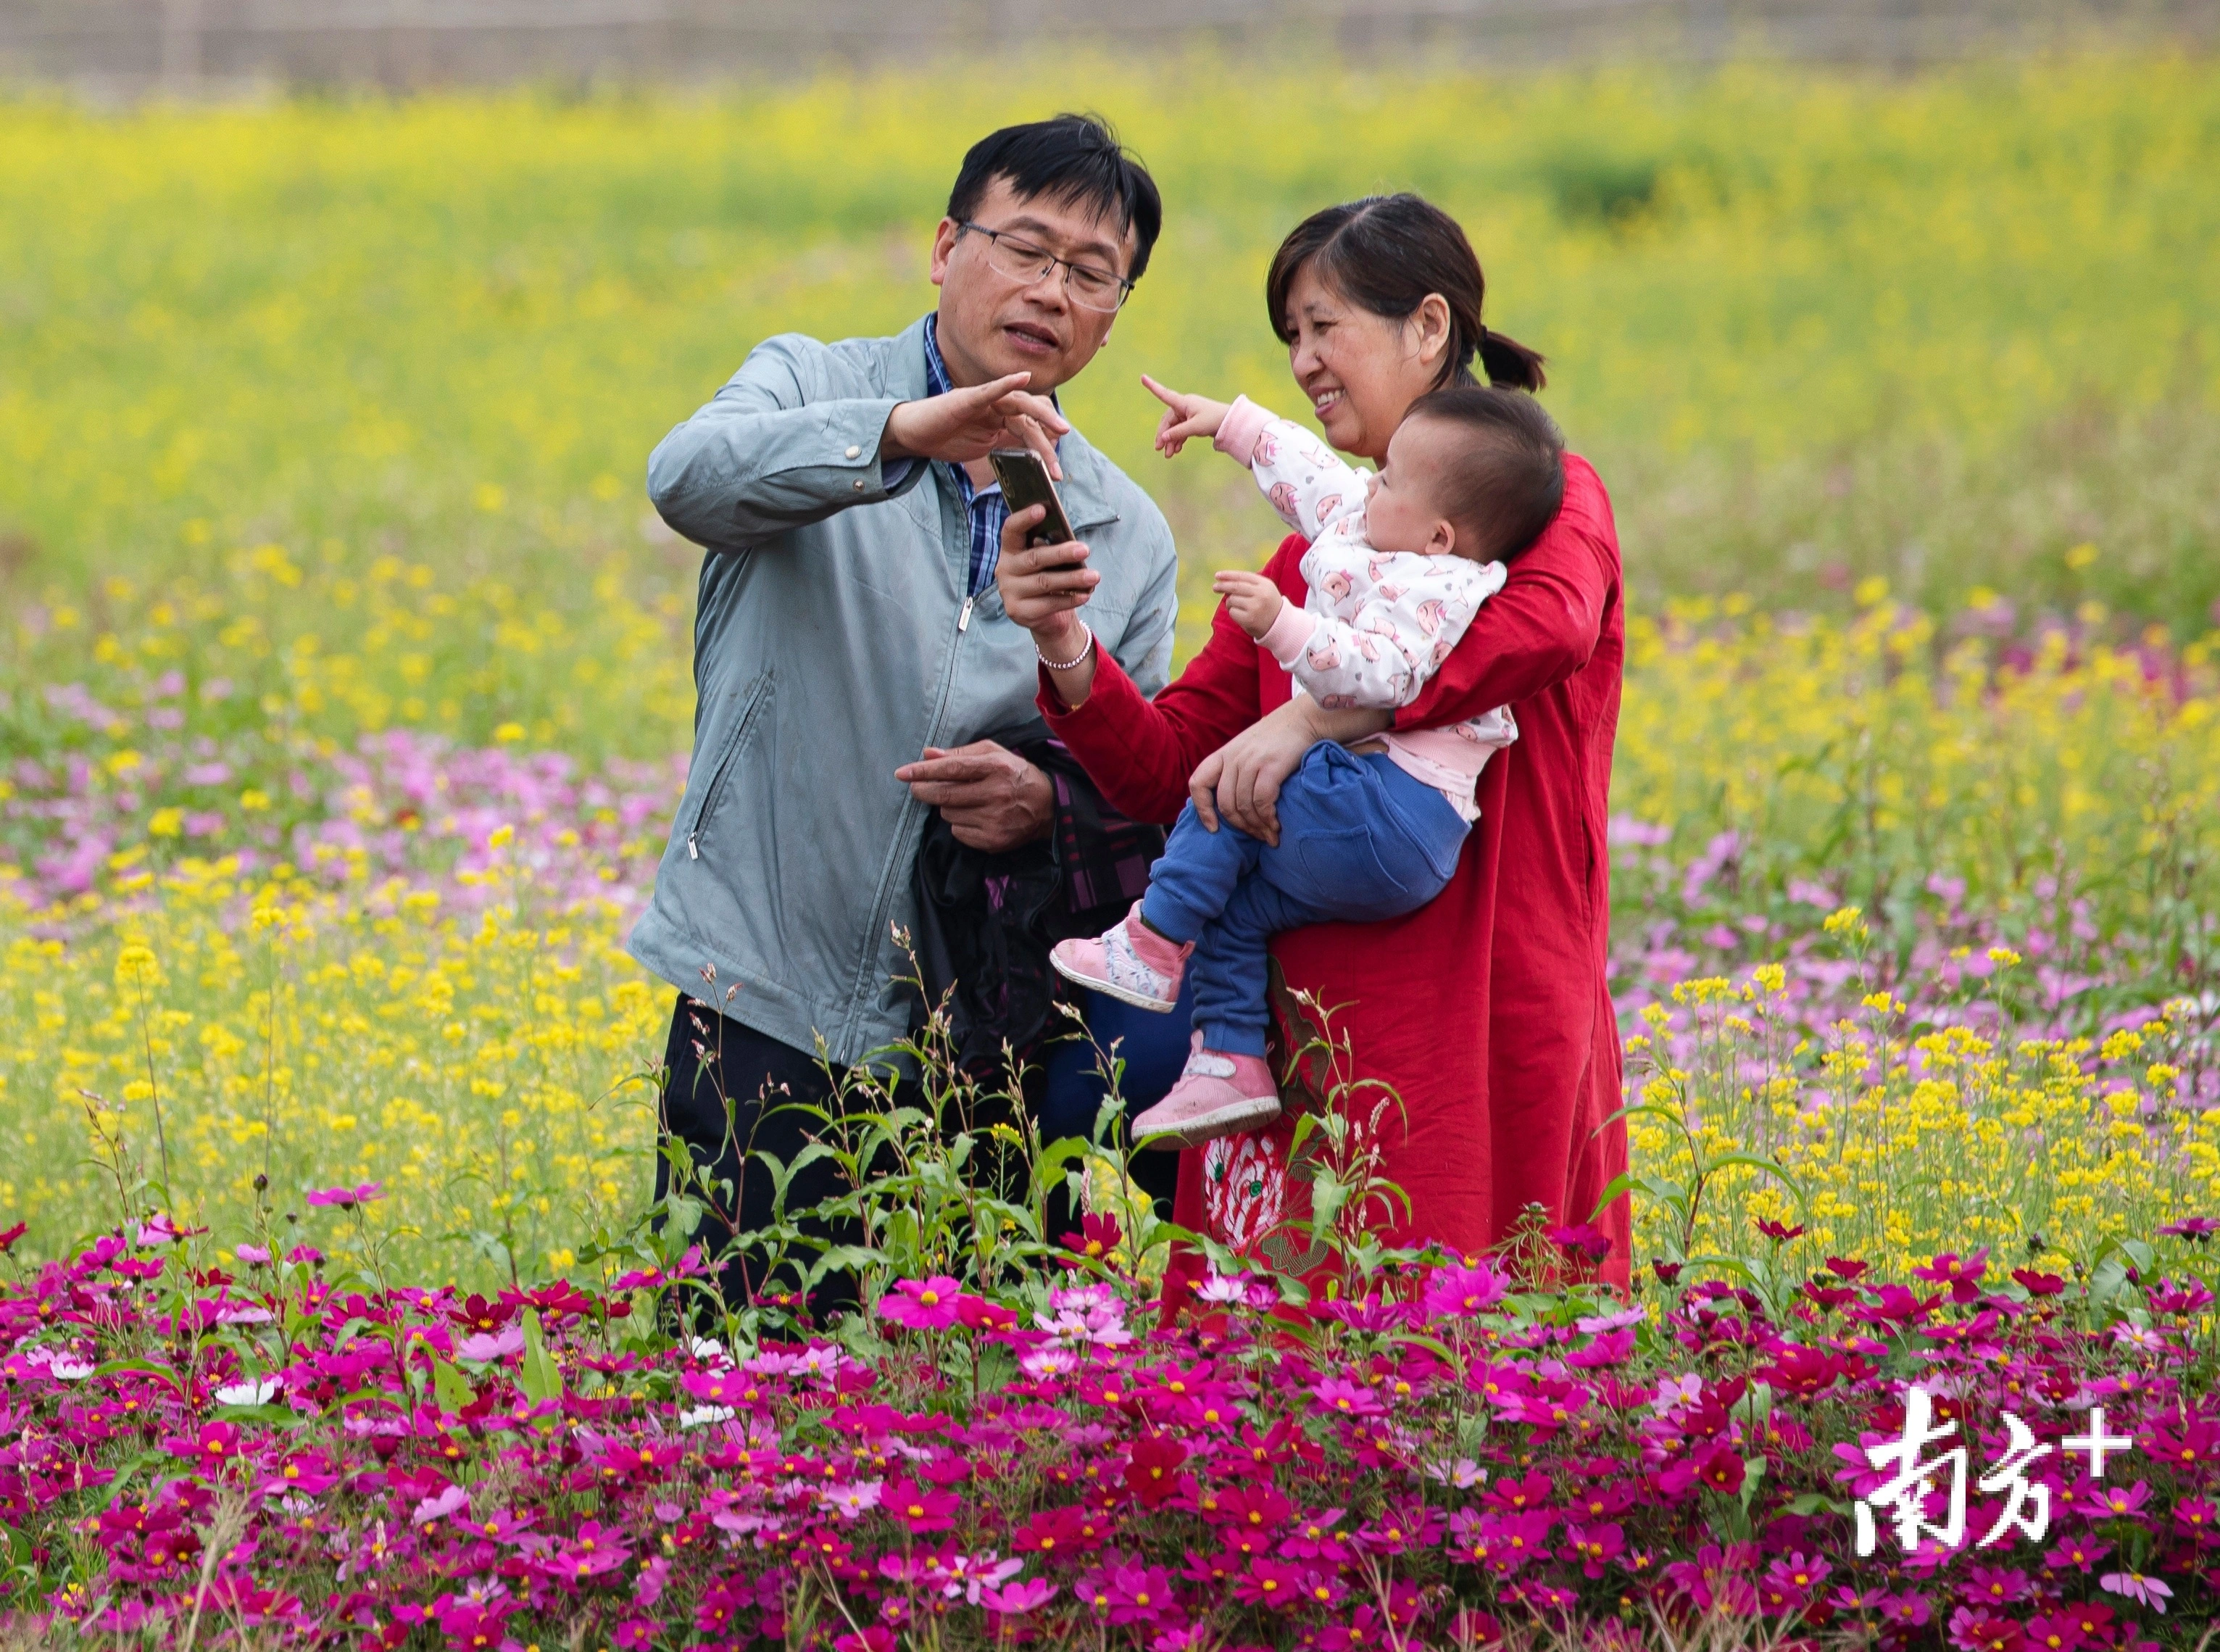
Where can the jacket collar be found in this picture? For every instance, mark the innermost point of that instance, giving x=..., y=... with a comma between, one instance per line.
x=1084, y=500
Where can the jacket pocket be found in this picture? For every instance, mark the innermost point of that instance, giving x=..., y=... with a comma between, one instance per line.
x=758, y=695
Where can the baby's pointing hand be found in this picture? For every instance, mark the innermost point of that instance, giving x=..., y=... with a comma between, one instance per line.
x=1188, y=415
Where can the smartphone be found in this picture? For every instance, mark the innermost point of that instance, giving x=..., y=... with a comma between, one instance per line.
x=1025, y=480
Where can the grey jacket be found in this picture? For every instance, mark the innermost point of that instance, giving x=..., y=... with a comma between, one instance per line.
x=833, y=641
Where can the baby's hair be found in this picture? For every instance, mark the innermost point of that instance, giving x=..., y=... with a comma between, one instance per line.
x=1505, y=486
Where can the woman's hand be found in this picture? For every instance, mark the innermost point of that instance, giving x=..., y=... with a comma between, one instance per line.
x=1240, y=782
x=1188, y=415
x=1044, y=587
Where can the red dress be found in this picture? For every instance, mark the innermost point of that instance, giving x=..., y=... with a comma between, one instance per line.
x=1485, y=1011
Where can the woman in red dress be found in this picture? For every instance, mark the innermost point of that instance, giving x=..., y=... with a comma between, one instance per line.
x=1485, y=1011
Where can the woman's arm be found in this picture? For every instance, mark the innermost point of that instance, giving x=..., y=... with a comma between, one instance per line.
x=1241, y=780
x=1139, y=751
x=1543, y=624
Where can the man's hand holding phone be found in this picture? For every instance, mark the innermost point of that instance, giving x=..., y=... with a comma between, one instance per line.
x=968, y=424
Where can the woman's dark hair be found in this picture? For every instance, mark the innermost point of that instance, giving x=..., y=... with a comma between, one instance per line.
x=1386, y=253
x=1508, y=481
x=1071, y=158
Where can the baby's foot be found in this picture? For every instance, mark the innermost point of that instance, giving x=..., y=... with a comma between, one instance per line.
x=1218, y=1095
x=1130, y=961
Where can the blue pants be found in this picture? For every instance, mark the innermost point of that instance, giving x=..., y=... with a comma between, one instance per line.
x=1360, y=839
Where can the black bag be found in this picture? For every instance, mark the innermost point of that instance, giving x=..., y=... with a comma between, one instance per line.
x=985, y=922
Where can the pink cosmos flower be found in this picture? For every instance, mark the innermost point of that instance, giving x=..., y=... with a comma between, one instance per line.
x=485, y=1349
x=1961, y=1274
x=2113, y=1502
x=2081, y=1553
x=2144, y=1590
x=1015, y=1599
x=1581, y=1239
x=1140, y=1594
x=215, y=1444
x=918, y=1509
x=2054, y=1632
x=430, y=1510
x=347, y=1197
x=977, y=1314
x=1346, y=1399
x=1269, y=1583
x=922, y=1304
x=1976, y=1629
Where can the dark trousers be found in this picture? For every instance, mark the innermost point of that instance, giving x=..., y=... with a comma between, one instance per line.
x=757, y=1077
x=1154, y=1048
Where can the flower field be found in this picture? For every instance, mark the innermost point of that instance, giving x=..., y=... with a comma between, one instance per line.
x=344, y=694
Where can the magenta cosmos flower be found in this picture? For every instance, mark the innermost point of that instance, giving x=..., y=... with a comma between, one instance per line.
x=922, y=1304
x=347, y=1197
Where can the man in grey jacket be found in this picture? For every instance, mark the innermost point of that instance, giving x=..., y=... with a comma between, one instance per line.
x=851, y=647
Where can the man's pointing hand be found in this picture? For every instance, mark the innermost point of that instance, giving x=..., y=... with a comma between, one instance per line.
x=969, y=424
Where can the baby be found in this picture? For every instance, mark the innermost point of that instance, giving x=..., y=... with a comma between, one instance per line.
x=1397, y=566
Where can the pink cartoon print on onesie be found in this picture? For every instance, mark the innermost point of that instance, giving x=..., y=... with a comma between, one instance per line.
x=1267, y=449
x=1284, y=501
x=1336, y=586
x=1430, y=616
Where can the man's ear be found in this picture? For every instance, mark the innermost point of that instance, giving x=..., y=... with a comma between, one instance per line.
x=943, y=248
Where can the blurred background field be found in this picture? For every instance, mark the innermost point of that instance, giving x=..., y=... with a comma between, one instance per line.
x=332, y=595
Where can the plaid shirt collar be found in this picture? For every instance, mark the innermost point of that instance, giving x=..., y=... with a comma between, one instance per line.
x=985, y=507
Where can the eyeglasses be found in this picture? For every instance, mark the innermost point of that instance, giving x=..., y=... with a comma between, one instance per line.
x=1090, y=288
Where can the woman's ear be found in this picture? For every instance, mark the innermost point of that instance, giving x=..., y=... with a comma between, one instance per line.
x=1430, y=328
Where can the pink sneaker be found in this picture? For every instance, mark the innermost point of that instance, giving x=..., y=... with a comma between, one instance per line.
x=1130, y=962
x=1217, y=1095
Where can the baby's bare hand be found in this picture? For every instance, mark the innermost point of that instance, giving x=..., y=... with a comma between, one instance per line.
x=1185, y=417
x=1253, y=599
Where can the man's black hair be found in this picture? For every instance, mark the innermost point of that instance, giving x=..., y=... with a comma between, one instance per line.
x=1076, y=159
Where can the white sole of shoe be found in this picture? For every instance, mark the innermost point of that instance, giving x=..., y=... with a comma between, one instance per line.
x=1232, y=1120
x=1123, y=994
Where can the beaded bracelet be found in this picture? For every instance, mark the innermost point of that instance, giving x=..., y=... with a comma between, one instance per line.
x=1077, y=660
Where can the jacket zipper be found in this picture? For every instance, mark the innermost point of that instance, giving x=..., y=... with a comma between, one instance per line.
x=886, y=883
x=725, y=767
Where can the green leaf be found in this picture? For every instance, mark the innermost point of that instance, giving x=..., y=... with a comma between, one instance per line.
x=450, y=1386
x=1810, y=1503
x=1753, y=1472
x=541, y=1380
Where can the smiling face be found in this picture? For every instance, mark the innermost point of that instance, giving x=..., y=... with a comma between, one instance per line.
x=990, y=324
x=1361, y=372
